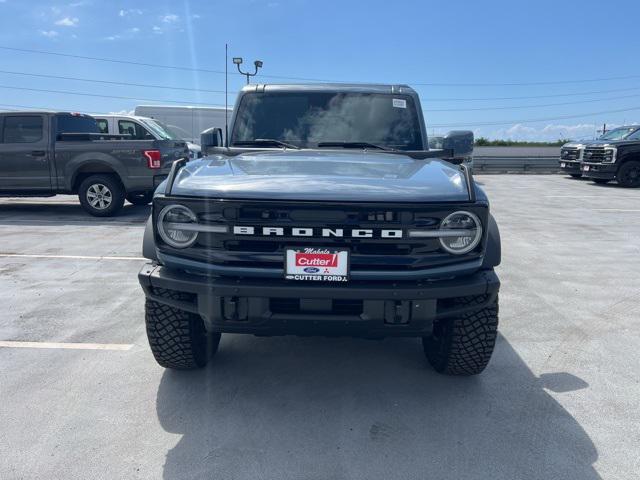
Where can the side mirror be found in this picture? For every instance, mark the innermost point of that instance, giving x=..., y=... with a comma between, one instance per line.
x=211, y=138
x=458, y=145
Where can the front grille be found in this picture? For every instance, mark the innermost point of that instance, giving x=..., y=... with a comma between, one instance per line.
x=594, y=154
x=570, y=154
x=366, y=254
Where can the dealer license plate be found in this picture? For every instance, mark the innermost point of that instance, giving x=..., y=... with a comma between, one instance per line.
x=585, y=168
x=563, y=165
x=317, y=264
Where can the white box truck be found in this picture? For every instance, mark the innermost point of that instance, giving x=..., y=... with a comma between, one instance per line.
x=190, y=122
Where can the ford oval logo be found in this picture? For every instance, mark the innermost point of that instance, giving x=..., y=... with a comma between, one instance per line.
x=311, y=270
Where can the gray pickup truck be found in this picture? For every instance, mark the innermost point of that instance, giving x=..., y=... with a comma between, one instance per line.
x=47, y=153
x=325, y=214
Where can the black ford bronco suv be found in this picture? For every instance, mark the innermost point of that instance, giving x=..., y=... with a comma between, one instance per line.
x=614, y=156
x=324, y=213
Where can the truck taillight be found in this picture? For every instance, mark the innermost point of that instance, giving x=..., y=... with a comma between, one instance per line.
x=153, y=158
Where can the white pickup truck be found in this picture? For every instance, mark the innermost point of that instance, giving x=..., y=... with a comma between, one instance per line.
x=142, y=128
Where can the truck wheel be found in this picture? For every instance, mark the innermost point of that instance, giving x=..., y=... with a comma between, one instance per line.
x=140, y=198
x=177, y=338
x=101, y=195
x=463, y=345
x=600, y=181
x=576, y=175
x=629, y=175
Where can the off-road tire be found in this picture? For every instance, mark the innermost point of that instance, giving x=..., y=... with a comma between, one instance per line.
x=575, y=175
x=116, y=194
x=628, y=175
x=463, y=345
x=600, y=181
x=177, y=338
x=140, y=198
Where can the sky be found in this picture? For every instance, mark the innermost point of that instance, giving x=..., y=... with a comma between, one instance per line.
x=536, y=70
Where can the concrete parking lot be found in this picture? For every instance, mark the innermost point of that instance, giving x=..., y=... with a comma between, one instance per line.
x=558, y=401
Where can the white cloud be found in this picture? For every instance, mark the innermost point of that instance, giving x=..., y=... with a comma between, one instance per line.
x=130, y=11
x=49, y=33
x=123, y=113
x=547, y=133
x=127, y=34
x=196, y=16
x=68, y=22
x=156, y=29
x=170, y=18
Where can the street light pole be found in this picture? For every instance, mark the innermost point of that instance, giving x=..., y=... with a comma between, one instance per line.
x=257, y=64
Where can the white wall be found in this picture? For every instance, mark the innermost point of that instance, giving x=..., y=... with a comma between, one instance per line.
x=193, y=120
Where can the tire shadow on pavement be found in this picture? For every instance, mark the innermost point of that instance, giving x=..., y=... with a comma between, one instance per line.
x=45, y=214
x=290, y=407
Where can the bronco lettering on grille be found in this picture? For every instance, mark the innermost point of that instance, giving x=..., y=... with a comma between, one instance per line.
x=316, y=232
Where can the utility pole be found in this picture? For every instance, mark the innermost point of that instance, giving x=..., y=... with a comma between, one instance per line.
x=257, y=64
x=226, y=93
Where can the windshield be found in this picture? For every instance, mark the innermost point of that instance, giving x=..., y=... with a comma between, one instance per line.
x=161, y=130
x=618, y=133
x=306, y=119
x=178, y=132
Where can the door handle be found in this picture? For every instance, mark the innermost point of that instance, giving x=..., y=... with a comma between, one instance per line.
x=38, y=153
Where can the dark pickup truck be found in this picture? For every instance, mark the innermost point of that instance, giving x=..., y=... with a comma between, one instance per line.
x=47, y=153
x=326, y=214
x=614, y=156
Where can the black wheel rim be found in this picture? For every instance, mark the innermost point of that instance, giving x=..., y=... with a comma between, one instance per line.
x=631, y=176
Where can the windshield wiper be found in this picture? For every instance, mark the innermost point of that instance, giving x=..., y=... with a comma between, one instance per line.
x=267, y=141
x=355, y=145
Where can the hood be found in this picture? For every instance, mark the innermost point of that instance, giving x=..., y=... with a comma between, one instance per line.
x=322, y=176
x=611, y=143
x=579, y=144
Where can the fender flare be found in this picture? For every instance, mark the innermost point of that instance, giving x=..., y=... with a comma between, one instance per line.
x=635, y=157
x=149, y=242
x=72, y=170
x=493, y=253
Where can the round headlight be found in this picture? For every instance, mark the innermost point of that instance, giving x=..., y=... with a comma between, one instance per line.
x=176, y=226
x=461, y=232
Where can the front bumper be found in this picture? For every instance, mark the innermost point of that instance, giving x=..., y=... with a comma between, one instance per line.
x=276, y=307
x=599, y=170
x=570, y=167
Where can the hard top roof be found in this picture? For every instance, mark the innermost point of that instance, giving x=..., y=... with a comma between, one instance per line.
x=330, y=87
